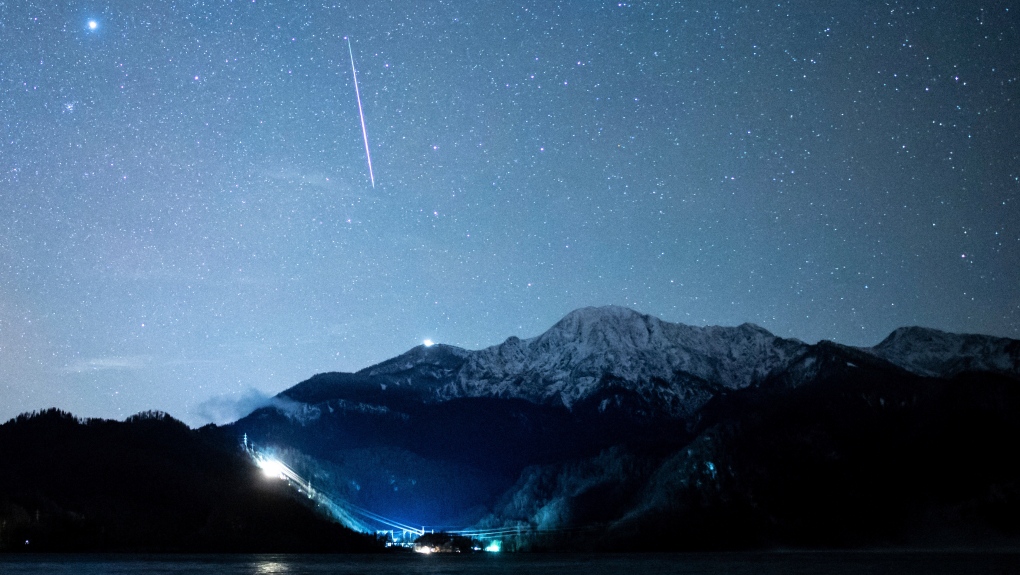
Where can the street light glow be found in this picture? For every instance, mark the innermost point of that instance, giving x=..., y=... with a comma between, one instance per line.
x=271, y=468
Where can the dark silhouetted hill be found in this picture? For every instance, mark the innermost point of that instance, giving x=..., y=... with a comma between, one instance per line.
x=148, y=484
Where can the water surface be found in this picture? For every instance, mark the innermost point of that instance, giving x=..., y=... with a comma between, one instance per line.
x=837, y=563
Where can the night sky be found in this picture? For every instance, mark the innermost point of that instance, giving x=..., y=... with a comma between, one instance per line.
x=187, y=219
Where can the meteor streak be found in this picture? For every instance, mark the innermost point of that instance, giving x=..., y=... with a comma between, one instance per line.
x=357, y=93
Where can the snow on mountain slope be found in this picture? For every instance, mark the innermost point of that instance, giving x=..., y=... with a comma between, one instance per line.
x=661, y=361
x=935, y=353
x=426, y=365
x=613, y=355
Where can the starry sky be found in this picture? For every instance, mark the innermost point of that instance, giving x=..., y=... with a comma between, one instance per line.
x=187, y=221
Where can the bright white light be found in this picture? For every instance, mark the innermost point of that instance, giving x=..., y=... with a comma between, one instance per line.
x=93, y=24
x=429, y=343
x=271, y=467
x=493, y=547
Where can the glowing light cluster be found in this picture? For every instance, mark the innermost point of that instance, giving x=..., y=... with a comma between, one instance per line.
x=271, y=468
x=493, y=547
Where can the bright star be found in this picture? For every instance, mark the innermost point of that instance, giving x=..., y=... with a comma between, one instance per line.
x=428, y=343
x=93, y=24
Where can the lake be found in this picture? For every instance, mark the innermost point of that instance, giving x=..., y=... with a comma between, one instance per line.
x=872, y=563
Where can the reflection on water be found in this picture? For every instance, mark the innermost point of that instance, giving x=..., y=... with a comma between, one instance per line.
x=837, y=563
x=265, y=567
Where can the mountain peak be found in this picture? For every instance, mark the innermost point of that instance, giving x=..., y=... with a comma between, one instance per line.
x=601, y=314
x=595, y=355
x=754, y=328
x=915, y=333
x=602, y=327
x=435, y=364
x=593, y=350
x=620, y=319
x=439, y=356
x=935, y=353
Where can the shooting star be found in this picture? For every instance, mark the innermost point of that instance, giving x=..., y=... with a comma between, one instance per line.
x=357, y=93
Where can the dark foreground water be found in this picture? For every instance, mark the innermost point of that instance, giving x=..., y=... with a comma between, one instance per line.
x=898, y=563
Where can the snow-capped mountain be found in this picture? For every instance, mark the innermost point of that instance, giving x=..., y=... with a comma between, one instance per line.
x=610, y=407
x=603, y=354
x=594, y=353
x=935, y=353
x=590, y=349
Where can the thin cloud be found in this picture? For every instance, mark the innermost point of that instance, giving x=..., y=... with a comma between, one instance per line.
x=223, y=409
x=121, y=363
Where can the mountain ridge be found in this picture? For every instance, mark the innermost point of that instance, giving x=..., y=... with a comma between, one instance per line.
x=675, y=366
x=936, y=353
x=615, y=429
